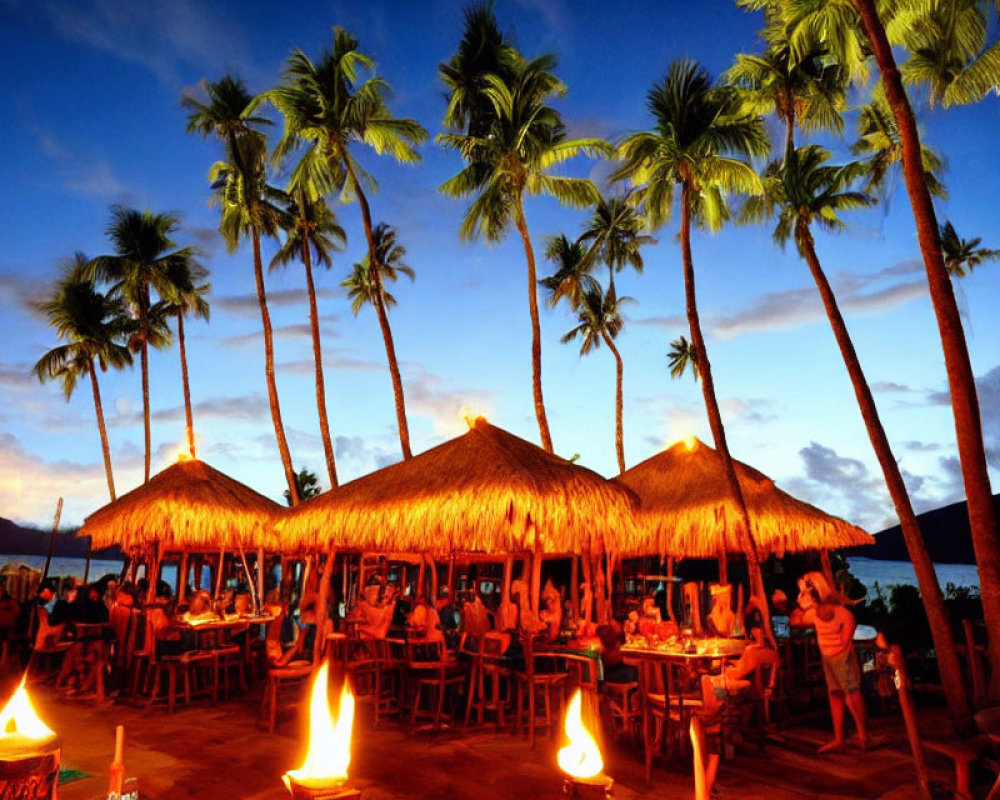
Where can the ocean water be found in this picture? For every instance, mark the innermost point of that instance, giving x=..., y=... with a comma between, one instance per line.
x=65, y=567
x=895, y=573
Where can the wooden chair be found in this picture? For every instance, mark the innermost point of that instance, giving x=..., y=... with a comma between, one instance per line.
x=434, y=673
x=228, y=657
x=489, y=678
x=195, y=668
x=654, y=710
x=539, y=684
x=287, y=675
x=624, y=707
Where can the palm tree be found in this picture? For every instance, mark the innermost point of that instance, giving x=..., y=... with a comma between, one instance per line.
x=144, y=252
x=615, y=234
x=483, y=51
x=681, y=356
x=306, y=485
x=185, y=291
x=248, y=207
x=699, y=132
x=843, y=25
x=366, y=286
x=599, y=319
x=878, y=138
x=94, y=327
x=801, y=192
x=311, y=226
x=806, y=93
x=963, y=255
x=572, y=279
x=525, y=139
x=327, y=107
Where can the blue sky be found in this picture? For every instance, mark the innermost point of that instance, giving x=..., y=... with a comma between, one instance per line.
x=91, y=116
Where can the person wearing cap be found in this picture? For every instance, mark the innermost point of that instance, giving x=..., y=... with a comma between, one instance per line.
x=825, y=609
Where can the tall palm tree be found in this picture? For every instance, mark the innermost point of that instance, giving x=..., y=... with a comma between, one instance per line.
x=849, y=29
x=879, y=140
x=699, y=133
x=615, y=235
x=311, y=226
x=249, y=209
x=144, y=252
x=482, y=51
x=185, y=292
x=961, y=256
x=572, y=279
x=802, y=192
x=366, y=286
x=599, y=319
x=328, y=108
x=94, y=327
x=525, y=139
x=680, y=356
x=807, y=93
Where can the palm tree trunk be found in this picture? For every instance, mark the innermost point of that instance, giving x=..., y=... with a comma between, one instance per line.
x=383, y=320
x=324, y=424
x=961, y=381
x=930, y=589
x=188, y=416
x=743, y=530
x=536, y=331
x=105, y=447
x=272, y=387
x=619, y=402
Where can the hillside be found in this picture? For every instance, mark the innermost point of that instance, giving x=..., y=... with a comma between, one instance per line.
x=16, y=540
x=946, y=531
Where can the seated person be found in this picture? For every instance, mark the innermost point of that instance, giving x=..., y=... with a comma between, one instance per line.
x=242, y=605
x=200, y=608
x=89, y=607
x=475, y=618
x=171, y=638
x=424, y=623
x=721, y=619
x=508, y=615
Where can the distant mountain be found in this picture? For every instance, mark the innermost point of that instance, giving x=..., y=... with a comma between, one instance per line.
x=946, y=531
x=16, y=540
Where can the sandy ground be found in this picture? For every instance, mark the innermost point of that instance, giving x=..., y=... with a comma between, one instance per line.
x=221, y=751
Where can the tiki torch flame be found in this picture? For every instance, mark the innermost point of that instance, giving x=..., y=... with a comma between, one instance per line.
x=581, y=758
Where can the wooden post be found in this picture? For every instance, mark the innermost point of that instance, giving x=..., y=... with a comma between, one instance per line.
x=421, y=578
x=218, y=573
x=432, y=563
x=670, y=588
x=536, y=580
x=897, y=662
x=261, y=585
x=319, y=641
x=199, y=562
x=723, y=568
x=182, y=577
x=86, y=563
x=508, y=575
x=574, y=584
x=250, y=580
x=824, y=560
x=52, y=539
x=451, y=577
x=153, y=574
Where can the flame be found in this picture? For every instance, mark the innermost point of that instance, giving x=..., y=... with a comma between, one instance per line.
x=470, y=415
x=19, y=717
x=329, y=752
x=581, y=758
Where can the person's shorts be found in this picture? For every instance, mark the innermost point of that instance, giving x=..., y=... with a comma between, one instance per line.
x=842, y=671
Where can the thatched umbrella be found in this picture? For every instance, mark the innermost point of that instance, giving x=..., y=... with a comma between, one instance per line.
x=485, y=491
x=687, y=511
x=189, y=506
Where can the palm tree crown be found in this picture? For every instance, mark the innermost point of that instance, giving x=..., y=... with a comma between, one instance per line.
x=309, y=223
x=961, y=256
x=360, y=283
x=572, y=279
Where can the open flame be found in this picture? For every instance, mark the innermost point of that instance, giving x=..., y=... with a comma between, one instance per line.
x=19, y=717
x=329, y=752
x=581, y=758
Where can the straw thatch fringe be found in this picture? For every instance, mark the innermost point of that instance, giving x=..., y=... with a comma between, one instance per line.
x=187, y=506
x=686, y=510
x=485, y=491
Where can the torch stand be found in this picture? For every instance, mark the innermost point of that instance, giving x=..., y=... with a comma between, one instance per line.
x=597, y=788
x=30, y=771
x=307, y=791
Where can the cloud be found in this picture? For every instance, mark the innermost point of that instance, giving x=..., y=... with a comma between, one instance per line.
x=427, y=396
x=161, y=36
x=920, y=447
x=889, y=387
x=291, y=331
x=82, y=173
x=18, y=290
x=247, y=305
x=361, y=456
x=332, y=360
x=793, y=308
x=988, y=392
x=245, y=408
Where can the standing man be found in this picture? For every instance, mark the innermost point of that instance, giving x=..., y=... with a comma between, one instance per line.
x=823, y=608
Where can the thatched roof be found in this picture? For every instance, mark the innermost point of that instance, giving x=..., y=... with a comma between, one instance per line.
x=187, y=506
x=486, y=490
x=686, y=510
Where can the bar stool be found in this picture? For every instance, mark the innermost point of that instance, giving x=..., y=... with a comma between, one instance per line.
x=433, y=679
x=623, y=704
x=540, y=680
x=488, y=678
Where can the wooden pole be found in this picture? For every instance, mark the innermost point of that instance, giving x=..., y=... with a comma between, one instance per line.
x=52, y=539
x=218, y=573
x=153, y=573
x=319, y=641
x=536, y=580
x=574, y=583
x=897, y=662
x=86, y=563
x=723, y=568
x=824, y=560
x=670, y=588
x=250, y=580
x=434, y=578
x=451, y=577
x=261, y=585
x=182, y=575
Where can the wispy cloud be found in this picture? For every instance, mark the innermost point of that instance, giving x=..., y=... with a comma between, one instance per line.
x=292, y=331
x=247, y=305
x=794, y=308
x=243, y=408
x=83, y=173
x=427, y=396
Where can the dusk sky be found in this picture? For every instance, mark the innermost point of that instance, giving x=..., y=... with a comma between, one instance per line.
x=91, y=116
